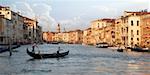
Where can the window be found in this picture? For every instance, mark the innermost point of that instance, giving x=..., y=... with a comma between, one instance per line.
x=13, y=14
x=127, y=29
x=131, y=32
x=137, y=32
x=29, y=33
x=137, y=39
x=131, y=38
x=7, y=8
x=131, y=22
x=122, y=30
x=1, y=39
x=102, y=24
x=137, y=23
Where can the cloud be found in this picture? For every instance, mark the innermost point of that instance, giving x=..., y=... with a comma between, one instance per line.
x=40, y=9
x=76, y=14
x=149, y=6
x=102, y=11
x=24, y=9
x=93, y=12
x=73, y=24
x=133, y=1
x=43, y=12
x=140, y=1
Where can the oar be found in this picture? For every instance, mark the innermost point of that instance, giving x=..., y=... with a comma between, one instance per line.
x=10, y=51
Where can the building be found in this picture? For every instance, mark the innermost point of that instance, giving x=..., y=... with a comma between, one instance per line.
x=39, y=34
x=6, y=29
x=58, y=28
x=145, y=31
x=6, y=12
x=76, y=36
x=24, y=29
x=17, y=22
x=87, y=37
x=129, y=28
x=57, y=37
x=48, y=36
x=121, y=31
x=110, y=34
x=65, y=37
x=100, y=30
x=33, y=32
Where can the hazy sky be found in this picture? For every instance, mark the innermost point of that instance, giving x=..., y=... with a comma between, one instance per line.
x=73, y=14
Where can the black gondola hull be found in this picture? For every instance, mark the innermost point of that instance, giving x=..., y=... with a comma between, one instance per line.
x=41, y=56
x=139, y=50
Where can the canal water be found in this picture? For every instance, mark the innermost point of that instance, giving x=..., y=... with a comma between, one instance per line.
x=82, y=60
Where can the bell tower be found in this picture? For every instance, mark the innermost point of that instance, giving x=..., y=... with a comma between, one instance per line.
x=58, y=28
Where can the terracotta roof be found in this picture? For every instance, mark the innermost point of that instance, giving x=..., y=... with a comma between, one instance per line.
x=88, y=29
x=138, y=13
x=28, y=18
x=105, y=19
x=108, y=20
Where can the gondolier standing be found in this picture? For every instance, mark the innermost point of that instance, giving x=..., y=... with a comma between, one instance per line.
x=33, y=47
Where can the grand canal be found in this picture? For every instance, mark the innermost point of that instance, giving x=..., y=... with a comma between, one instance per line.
x=82, y=60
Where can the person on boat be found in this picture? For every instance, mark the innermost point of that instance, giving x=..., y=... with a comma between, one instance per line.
x=10, y=51
x=38, y=52
x=33, y=47
x=58, y=50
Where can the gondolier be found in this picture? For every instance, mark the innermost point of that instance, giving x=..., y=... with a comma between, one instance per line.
x=33, y=47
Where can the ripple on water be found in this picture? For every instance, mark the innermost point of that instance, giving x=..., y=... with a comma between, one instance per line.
x=82, y=60
x=35, y=70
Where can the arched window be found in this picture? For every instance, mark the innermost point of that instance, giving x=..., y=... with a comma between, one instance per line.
x=137, y=23
x=131, y=22
x=137, y=32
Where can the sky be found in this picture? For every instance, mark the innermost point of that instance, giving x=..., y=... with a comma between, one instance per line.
x=73, y=14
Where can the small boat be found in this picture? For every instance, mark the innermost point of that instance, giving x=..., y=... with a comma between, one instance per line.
x=41, y=56
x=120, y=50
x=4, y=50
x=54, y=42
x=138, y=49
x=7, y=49
x=102, y=45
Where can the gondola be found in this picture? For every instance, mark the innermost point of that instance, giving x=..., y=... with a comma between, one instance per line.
x=7, y=49
x=4, y=50
x=102, y=45
x=41, y=56
x=120, y=50
x=138, y=49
